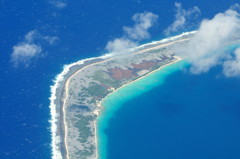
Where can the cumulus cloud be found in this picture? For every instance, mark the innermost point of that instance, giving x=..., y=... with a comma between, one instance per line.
x=143, y=21
x=119, y=45
x=27, y=50
x=31, y=36
x=235, y=7
x=24, y=52
x=231, y=67
x=132, y=35
x=181, y=17
x=206, y=48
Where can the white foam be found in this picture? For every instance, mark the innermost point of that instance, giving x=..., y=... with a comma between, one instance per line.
x=167, y=39
x=153, y=43
x=55, y=143
x=56, y=140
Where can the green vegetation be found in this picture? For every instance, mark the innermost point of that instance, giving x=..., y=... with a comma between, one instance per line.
x=83, y=128
x=85, y=153
x=96, y=89
x=104, y=78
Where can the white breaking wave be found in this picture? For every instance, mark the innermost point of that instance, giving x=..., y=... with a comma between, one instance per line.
x=167, y=39
x=55, y=143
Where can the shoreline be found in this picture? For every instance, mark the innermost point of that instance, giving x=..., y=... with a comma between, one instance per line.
x=59, y=83
x=65, y=99
x=178, y=59
x=96, y=112
x=100, y=105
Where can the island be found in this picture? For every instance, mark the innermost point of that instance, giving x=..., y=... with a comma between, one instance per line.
x=80, y=88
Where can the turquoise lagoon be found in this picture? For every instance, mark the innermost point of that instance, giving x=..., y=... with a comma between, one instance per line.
x=112, y=103
x=172, y=114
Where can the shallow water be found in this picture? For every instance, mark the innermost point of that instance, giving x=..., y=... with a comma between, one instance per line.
x=115, y=101
x=180, y=116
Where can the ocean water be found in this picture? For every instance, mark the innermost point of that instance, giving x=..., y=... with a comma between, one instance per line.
x=83, y=28
x=115, y=102
x=173, y=114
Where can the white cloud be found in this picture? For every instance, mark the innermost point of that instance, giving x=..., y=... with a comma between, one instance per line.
x=34, y=35
x=132, y=35
x=31, y=35
x=143, y=21
x=235, y=7
x=231, y=68
x=27, y=50
x=24, y=53
x=120, y=45
x=181, y=17
x=50, y=39
x=206, y=48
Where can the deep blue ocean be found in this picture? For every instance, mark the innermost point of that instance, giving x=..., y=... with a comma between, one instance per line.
x=83, y=28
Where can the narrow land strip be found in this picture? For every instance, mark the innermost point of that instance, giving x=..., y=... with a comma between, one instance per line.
x=96, y=111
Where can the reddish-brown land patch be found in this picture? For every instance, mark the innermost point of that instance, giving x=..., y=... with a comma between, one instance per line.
x=144, y=65
x=119, y=74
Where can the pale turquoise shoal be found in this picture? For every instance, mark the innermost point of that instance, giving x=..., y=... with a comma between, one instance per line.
x=114, y=101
